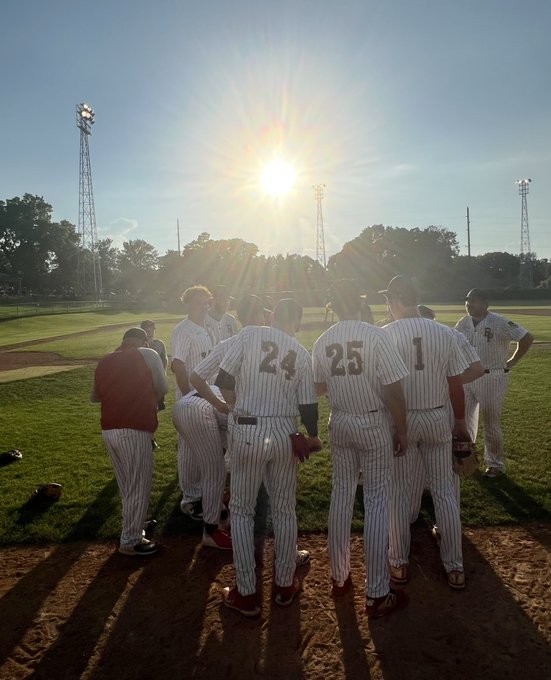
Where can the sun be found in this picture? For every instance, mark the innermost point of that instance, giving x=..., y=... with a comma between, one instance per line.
x=278, y=178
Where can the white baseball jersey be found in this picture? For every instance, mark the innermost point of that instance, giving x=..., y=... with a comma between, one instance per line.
x=221, y=329
x=208, y=367
x=469, y=352
x=190, y=344
x=491, y=338
x=273, y=375
x=276, y=369
x=424, y=342
x=355, y=359
x=431, y=355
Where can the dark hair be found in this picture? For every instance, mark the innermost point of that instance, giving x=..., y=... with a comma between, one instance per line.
x=287, y=312
x=345, y=298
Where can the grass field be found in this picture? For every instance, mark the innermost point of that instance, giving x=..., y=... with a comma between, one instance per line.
x=52, y=421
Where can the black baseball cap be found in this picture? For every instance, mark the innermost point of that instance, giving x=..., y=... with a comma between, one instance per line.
x=401, y=288
x=476, y=294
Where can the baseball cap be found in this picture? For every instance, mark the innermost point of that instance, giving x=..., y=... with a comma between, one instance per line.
x=476, y=294
x=135, y=333
x=401, y=288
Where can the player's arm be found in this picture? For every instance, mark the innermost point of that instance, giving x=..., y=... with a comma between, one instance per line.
x=203, y=389
x=180, y=373
x=155, y=365
x=457, y=398
x=226, y=383
x=163, y=355
x=523, y=345
x=474, y=372
x=394, y=400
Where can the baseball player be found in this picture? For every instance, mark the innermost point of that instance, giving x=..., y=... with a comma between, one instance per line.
x=190, y=344
x=159, y=346
x=473, y=372
x=128, y=384
x=219, y=323
x=268, y=375
x=250, y=312
x=357, y=366
x=435, y=365
x=490, y=334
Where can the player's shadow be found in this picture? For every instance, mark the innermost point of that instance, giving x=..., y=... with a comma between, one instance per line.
x=515, y=500
x=455, y=634
x=158, y=631
x=20, y=605
x=353, y=643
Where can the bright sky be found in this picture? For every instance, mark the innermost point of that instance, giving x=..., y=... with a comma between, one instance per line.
x=408, y=111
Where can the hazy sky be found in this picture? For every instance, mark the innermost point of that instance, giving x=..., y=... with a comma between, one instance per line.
x=408, y=111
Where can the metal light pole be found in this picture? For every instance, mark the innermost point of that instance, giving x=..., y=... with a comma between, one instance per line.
x=525, y=274
x=86, y=209
x=320, y=236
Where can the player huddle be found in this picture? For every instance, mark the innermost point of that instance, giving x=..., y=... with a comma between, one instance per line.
x=397, y=395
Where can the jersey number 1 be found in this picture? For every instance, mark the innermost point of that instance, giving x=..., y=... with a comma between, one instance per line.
x=419, y=365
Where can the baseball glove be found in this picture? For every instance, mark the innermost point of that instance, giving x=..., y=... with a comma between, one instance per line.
x=47, y=492
x=10, y=456
x=301, y=448
x=464, y=458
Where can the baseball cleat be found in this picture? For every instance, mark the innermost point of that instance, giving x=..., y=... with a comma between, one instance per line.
x=392, y=602
x=492, y=472
x=303, y=557
x=225, y=521
x=142, y=549
x=339, y=589
x=285, y=595
x=193, y=510
x=244, y=604
x=218, y=539
x=456, y=579
x=400, y=575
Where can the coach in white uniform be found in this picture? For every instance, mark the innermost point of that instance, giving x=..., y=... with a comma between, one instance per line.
x=357, y=366
x=490, y=334
x=269, y=375
x=190, y=344
x=435, y=365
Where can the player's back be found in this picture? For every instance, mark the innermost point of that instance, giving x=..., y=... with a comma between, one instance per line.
x=355, y=359
x=430, y=354
x=271, y=369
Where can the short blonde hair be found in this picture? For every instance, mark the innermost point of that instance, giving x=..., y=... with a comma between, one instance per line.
x=193, y=291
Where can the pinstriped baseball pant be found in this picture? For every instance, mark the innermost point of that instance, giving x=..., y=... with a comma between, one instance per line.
x=263, y=452
x=429, y=432
x=197, y=423
x=485, y=396
x=420, y=480
x=362, y=443
x=132, y=460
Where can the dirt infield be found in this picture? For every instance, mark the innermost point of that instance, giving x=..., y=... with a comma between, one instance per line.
x=83, y=611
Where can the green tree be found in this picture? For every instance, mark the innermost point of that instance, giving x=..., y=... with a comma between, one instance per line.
x=138, y=262
x=32, y=246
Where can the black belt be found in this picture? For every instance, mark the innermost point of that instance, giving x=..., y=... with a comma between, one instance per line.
x=196, y=394
x=246, y=420
x=493, y=370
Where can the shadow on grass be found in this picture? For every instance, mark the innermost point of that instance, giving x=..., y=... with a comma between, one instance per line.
x=20, y=605
x=518, y=503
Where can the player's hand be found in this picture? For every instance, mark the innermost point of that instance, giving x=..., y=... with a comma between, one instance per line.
x=314, y=443
x=222, y=406
x=400, y=444
x=459, y=430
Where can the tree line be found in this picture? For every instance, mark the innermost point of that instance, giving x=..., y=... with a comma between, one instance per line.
x=45, y=257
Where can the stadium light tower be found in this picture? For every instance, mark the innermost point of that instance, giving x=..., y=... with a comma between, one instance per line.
x=525, y=274
x=320, y=236
x=86, y=209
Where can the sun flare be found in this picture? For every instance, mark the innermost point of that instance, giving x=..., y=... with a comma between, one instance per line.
x=278, y=178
